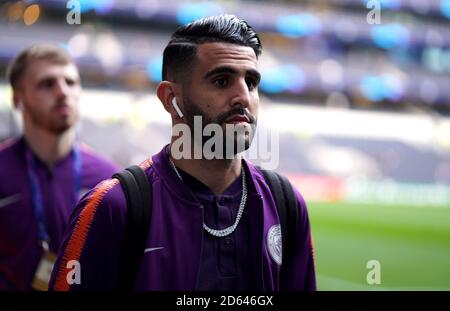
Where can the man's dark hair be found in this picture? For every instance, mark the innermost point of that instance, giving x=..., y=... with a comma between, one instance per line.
x=180, y=53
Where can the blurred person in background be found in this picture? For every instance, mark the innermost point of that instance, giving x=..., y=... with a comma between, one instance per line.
x=214, y=224
x=43, y=173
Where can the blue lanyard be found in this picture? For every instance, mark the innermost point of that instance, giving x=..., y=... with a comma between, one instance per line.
x=36, y=192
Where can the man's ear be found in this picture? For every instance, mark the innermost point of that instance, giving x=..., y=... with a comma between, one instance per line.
x=166, y=92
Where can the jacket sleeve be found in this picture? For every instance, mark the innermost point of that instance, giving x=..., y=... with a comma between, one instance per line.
x=300, y=273
x=88, y=258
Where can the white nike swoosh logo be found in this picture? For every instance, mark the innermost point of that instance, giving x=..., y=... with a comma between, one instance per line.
x=9, y=200
x=151, y=249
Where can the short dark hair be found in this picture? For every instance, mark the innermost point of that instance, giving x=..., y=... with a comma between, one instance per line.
x=48, y=52
x=181, y=50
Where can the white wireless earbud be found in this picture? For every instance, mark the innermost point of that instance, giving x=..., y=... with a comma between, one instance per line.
x=177, y=109
x=20, y=106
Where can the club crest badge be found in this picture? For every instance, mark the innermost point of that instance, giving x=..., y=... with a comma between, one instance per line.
x=274, y=243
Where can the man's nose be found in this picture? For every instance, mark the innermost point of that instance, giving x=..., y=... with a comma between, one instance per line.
x=61, y=88
x=241, y=94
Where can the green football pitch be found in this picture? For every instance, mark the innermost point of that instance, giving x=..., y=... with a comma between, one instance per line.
x=411, y=244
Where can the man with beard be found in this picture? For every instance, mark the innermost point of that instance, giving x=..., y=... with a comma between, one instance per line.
x=43, y=173
x=214, y=223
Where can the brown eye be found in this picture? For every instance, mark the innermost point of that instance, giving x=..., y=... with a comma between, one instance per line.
x=221, y=82
x=70, y=82
x=251, y=83
x=47, y=83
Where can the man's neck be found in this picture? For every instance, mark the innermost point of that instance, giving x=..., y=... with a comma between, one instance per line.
x=47, y=146
x=216, y=174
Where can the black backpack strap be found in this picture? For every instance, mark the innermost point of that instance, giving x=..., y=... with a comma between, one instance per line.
x=139, y=196
x=288, y=211
x=292, y=211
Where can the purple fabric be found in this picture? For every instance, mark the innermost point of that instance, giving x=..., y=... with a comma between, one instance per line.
x=19, y=249
x=176, y=238
x=226, y=262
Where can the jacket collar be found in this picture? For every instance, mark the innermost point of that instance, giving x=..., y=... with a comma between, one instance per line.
x=177, y=188
x=168, y=176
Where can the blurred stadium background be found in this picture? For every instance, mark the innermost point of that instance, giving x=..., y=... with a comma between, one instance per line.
x=362, y=111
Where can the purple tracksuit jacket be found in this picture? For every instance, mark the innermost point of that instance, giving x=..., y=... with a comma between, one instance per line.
x=175, y=239
x=20, y=251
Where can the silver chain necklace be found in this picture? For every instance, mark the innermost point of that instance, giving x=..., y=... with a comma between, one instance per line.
x=230, y=229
